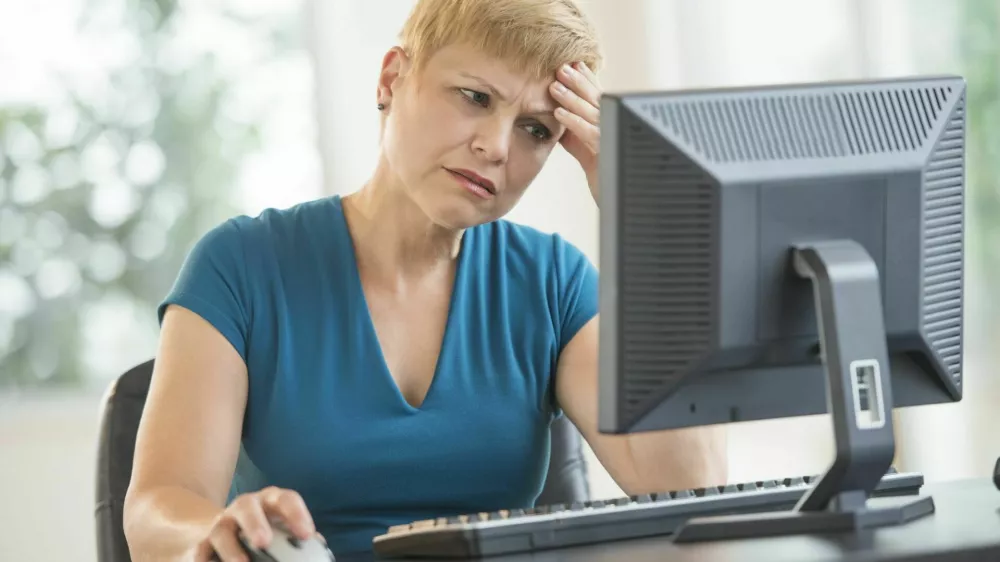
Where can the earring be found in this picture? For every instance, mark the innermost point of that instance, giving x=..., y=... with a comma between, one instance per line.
x=381, y=106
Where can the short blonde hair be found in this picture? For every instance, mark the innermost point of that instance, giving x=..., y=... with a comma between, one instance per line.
x=533, y=36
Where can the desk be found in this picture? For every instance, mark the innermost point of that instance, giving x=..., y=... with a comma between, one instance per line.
x=964, y=528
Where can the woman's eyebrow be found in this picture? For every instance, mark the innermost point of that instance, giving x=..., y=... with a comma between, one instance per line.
x=486, y=85
x=542, y=110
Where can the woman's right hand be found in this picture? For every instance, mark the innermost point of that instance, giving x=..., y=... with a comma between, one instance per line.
x=253, y=514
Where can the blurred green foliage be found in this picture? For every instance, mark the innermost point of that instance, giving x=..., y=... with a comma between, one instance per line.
x=978, y=60
x=105, y=185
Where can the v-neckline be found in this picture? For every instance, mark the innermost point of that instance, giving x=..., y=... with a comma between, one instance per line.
x=369, y=323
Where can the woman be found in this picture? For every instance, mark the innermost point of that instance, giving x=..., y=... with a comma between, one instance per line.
x=399, y=353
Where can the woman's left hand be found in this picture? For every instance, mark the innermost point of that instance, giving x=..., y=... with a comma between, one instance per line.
x=579, y=94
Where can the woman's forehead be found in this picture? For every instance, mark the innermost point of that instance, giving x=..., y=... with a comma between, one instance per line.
x=466, y=60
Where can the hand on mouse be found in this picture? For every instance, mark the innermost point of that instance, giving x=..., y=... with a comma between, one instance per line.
x=252, y=514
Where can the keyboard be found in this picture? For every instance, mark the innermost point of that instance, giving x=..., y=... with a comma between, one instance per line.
x=554, y=526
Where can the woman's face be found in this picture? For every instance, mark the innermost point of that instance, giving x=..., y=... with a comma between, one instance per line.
x=467, y=135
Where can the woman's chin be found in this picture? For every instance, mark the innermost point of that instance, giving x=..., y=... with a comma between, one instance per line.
x=460, y=214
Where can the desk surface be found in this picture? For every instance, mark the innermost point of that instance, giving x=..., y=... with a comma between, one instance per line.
x=964, y=528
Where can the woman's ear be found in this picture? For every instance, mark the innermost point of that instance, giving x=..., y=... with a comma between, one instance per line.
x=395, y=67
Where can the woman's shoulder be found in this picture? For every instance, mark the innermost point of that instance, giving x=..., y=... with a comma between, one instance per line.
x=239, y=269
x=271, y=242
x=544, y=273
x=508, y=240
x=292, y=226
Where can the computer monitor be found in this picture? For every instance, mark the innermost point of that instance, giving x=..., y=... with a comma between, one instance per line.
x=780, y=251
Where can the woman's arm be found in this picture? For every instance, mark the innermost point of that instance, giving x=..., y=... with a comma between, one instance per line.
x=639, y=463
x=188, y=440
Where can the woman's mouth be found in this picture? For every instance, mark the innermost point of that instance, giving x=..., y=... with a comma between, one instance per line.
x=474, y=183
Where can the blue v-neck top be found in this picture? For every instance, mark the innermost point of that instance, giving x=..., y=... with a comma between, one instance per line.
x=324, y=416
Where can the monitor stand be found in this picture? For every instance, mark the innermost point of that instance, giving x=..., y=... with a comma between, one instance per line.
x=848, y=300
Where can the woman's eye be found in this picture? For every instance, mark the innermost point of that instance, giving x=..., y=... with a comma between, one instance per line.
x=540, y=132
x=475, y=97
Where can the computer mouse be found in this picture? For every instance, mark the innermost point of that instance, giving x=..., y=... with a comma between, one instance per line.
x=285, y=547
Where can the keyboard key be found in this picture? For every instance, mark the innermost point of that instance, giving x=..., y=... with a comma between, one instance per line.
x=768, y=484
x=710, y=491
x=683, y=494
x=644, y=498
x=794, y=482
x=622, y=501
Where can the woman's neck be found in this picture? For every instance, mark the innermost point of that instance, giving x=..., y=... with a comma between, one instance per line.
x=393, y=238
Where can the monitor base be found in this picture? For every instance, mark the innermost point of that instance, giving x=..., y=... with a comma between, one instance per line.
x=878, y=512
x=849, y=310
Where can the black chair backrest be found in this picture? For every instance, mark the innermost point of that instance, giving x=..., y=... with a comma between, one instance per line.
x=121, y=409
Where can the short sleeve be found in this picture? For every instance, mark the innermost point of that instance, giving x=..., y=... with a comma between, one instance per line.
x=577, y=286
x=578, y=290
x=212, y=283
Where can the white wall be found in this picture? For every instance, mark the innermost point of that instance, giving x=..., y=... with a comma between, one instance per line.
x=47, y=455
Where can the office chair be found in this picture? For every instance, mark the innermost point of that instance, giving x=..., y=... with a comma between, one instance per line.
x=121, y=409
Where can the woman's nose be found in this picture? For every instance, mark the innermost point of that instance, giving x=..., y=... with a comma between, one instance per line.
x=493, y=140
